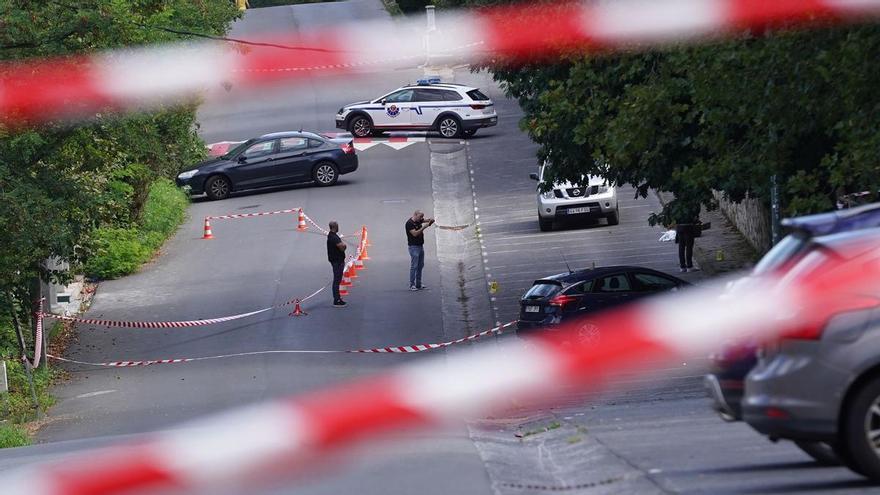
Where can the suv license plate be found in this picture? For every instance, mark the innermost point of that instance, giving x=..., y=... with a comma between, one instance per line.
x=574, y=211
x=532, y=309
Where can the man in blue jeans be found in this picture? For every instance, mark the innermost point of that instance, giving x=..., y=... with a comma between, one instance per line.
x=415, y=239
x=336, y=257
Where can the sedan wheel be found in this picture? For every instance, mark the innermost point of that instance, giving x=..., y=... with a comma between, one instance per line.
x=326, y=174
x=589, y=334
x=218, y=187
x=361, y=126
x=449, y=127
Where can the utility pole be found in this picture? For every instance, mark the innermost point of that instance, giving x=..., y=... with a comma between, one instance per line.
x=774, y=210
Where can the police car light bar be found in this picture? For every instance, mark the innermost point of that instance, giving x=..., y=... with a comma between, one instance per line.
x=429, y=80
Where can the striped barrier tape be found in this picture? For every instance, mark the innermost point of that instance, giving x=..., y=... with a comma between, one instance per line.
x=234, y=450
x=128, y=78
x=381, y=350
x=251, y=215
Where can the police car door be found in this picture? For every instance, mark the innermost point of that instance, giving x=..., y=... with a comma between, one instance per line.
x=394, y=110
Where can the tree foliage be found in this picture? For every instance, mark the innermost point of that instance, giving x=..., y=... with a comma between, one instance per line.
x=803, y=105
x=59, y=182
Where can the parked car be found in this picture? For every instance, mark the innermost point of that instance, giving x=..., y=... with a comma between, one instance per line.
x=822, y=382
x=453, y=110
x=594, y=199
x=552, y=299
x=272, y=160
x=725, y=382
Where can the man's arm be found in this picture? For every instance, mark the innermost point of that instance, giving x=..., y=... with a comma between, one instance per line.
x=341, y=246
x=417, y=232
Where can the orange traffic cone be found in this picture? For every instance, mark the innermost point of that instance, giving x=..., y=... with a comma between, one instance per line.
x=297, y=310
x=352, y=273
x=208, y=233
x=343, y=291
x=364, y=256
x=302, y=227
x=346, y=280
x=359, y=264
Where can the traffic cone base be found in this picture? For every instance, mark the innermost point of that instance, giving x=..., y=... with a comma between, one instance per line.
x=343, y=291
x=297, y=310
x=208, y=233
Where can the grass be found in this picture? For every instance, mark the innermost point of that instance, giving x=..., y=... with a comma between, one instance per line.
x=121, y=251
x=13, y=436
x=17, y=406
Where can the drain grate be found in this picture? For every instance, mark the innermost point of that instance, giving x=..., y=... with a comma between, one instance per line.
x=564, y=488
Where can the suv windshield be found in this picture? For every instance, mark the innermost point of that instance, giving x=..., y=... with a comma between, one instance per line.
x=782, y=252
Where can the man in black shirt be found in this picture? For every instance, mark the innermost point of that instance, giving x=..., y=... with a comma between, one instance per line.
x=415, y=239
x=336, y=256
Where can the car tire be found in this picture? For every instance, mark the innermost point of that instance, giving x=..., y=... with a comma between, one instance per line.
x=360, y=126
x=545, y=225
x=218, y=187
x=325, y=174
x=449, y=126
x=823, y=453
x=613, y=217
x=846, y=458
x=861, y=416
x=468, y=133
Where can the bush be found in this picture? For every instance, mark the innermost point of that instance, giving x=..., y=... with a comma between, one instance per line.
x=121, y=251
x=412, y=6
x=255, y=4
x=13, y=436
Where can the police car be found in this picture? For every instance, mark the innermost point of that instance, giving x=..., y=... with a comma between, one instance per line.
x=453, y=110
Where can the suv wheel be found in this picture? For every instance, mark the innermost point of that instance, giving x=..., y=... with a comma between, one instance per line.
x=449, y=127
x=468, y=133
x=218, y=187
x=613, y=217
x=861, y=431
x=360, y=126
x=545, y=225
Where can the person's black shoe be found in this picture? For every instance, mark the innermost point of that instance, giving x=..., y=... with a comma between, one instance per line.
x=339, y=304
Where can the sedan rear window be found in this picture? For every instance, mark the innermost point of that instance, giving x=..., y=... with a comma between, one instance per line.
x=543, y=289
x=477, y=95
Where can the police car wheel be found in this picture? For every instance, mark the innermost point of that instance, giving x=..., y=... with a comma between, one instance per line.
x=360, y=126
x=449, y=127
x=469, y=132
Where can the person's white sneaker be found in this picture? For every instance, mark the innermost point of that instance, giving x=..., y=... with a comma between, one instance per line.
x=413, y=288
x=683, y=270
x=694, y=269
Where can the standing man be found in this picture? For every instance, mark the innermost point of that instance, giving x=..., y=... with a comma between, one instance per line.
x=685, y=232
x=415, y=239
x=336, y=256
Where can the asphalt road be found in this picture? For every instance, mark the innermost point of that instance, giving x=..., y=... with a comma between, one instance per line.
x=658, y=436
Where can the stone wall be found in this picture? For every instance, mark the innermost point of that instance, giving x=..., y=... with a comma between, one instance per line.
x=751, y=218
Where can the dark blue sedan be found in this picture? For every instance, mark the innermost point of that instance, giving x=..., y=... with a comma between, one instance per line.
x=275, y=159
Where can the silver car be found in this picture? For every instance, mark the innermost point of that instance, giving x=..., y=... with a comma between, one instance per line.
x=823, y=383
x=596, y=198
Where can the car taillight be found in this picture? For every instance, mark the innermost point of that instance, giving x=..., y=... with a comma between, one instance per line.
x=561, y=300
x=478, y=107
x=348, y=149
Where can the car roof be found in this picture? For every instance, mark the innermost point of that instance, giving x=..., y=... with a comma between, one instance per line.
x=862, y=217
x=284, y=134
x=567, y=278
x=460, y=87
x=870, y=238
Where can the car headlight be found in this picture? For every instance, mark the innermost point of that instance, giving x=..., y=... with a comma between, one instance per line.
x=341, y=111
x=188, y=174
x=547, y=195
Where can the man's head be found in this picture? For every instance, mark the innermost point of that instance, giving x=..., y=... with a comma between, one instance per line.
x=334, y=227
x=418, y=216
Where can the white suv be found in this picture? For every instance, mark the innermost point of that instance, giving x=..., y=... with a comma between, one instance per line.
x=596, y=199
x=453, y=110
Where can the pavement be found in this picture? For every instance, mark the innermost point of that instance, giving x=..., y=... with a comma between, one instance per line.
x=646, y=434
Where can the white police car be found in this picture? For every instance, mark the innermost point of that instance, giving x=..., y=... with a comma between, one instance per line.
x=453, y=110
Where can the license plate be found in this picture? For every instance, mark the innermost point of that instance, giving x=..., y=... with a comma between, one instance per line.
x=532, y=309
x=575, y=211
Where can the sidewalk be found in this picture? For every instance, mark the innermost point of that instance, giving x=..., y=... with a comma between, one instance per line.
x=721, y=249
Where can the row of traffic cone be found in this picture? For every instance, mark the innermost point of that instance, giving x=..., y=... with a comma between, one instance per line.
x=301, y=225
x=355, y=265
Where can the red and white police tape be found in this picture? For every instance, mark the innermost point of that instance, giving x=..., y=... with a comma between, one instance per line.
x=408, y=349
x=129, y=78
x=236, y=450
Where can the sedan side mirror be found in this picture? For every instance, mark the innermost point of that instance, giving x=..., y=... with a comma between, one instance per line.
x=242, y=159
x=383, y=101
x=533, y=176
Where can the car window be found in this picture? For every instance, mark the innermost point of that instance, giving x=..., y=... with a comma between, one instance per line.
x=477, y=95
x=404, y=96
x=612, y=283
x=450, y=95
x=542, y=289
x=428, y=95
x=260, y=149
x=577, y=289
x=293, y=143
x=648, y=282
x=783, y=252
x=315, y=143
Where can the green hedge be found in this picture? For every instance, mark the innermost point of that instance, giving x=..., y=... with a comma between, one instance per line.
x=255, y=4
x=121, y=251
x=13, y=436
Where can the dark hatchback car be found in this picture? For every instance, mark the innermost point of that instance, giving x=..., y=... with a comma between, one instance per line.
x=553, y=299
x=272, y=160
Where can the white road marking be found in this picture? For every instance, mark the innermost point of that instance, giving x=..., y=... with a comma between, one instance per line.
x=94, y=394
